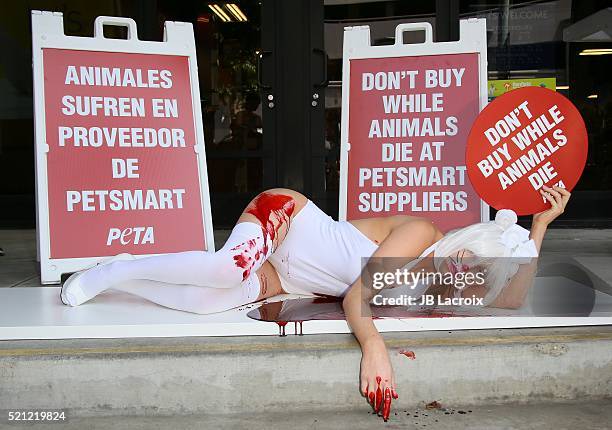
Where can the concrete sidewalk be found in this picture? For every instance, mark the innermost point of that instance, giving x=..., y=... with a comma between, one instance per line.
x=594, y=415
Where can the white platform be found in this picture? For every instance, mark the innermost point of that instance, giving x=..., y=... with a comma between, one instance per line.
x=37, y=313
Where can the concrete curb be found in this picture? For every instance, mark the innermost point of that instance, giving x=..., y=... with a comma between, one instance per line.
x=248, y=375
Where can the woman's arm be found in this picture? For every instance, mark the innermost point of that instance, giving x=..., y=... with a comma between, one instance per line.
x=377, y=379
x=513, y=295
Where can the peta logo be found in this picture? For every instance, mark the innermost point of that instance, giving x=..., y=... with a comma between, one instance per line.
x=134, y=235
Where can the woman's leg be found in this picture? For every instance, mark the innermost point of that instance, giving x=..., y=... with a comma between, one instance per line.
x=202, y=300
x=259, y=231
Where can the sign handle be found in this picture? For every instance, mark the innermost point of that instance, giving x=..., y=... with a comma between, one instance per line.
x=413, y=26
x=101, y=21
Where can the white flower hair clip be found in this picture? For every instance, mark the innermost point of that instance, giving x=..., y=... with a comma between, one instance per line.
x=515, y=238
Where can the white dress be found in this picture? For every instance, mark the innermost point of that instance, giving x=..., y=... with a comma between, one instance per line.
x=322, y=256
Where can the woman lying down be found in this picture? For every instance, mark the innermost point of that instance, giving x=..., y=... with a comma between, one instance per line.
x=283, y=243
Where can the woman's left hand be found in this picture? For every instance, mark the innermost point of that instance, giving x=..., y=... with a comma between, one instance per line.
x=558, y=198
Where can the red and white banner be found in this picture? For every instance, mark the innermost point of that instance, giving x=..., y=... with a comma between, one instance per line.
x=408, y=121
x=121, y=168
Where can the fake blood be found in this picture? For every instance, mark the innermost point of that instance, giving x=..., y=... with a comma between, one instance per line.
x=433, y=405
x=387, y=405
x=378, y=395
x=296, y=325
x=281, y=328
x=409, y=354
x=244, y=259
x=272, y=211
x=382, y=402
x=244, y=262
x=329, y=308
x=263, y=281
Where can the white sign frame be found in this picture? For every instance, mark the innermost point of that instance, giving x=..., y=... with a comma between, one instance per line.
x=48, y=32
x=357, y=45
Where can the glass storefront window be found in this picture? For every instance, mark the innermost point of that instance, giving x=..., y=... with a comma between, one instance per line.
x=16, y=103
x=227, y=53
x=382, y=17
x=525, y=41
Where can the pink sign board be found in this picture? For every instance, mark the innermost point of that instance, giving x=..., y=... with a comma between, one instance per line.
x=121, y=165
x=409, y=118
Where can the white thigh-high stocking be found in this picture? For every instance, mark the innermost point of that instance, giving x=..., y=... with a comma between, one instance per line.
x=192, y=298
x=243, y=253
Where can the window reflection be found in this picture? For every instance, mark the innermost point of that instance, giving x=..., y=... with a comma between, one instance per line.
x=230, y=175
x=227, y=54
x=382, y=17
x=525, y=41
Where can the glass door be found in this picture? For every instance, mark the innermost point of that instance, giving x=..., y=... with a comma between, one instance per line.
x=228, y=42
x=382, y=17
x=262, y=80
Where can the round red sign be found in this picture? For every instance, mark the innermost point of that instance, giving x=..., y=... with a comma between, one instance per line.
x=522, y=140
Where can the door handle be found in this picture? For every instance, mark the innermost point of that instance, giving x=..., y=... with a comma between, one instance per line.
x=325, y=82
x=260, y=58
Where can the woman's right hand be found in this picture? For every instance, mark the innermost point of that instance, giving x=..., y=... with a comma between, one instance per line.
x=377, y=378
